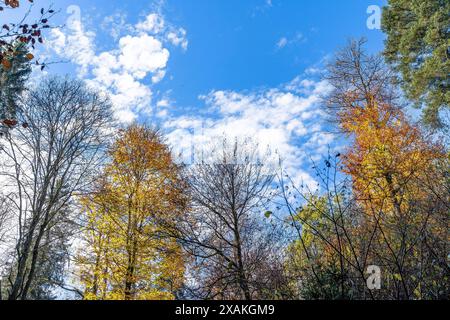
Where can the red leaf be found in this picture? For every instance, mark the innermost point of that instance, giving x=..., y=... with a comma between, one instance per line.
x=10, y=122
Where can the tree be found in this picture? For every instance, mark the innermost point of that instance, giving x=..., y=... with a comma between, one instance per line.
x=345, y=226
x=47, y=163
x=387, y=156
x=390, y=209
x=13, y=77
x=234, y=250
x=140, y=194
x=389, y=162
x=4, y=222
x=17, y=40
x=28, y=32
x=329, y=256
x=357, y=78
x=417, y=46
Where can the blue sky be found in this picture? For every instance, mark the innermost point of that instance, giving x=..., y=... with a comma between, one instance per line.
x=232, y=44
x=204, y=68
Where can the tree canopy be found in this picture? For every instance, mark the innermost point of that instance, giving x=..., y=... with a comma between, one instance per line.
x=417, y=45
x=139, y=195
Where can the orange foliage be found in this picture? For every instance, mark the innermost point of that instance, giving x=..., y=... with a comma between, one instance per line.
x=388, y=157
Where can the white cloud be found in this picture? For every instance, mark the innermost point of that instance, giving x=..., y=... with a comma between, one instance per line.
x=116, y=25
x=76, y=44
x=296, y=39
x=178, y=38
x=153, y=23
x=163, y=103
x=263, y=7
x=276, y=118
x=128, y=71
x=158, y=76
x=141, y=55
x=282, y=42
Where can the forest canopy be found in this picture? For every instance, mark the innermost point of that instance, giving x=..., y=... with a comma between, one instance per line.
x=95, y=208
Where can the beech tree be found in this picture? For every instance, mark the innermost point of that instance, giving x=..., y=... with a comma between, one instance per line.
x=127, y=253
x=389, y=162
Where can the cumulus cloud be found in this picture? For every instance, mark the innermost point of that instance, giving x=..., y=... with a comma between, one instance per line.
x=141, y=55
x=155, y=24
x=126, y=72
x=285, y=122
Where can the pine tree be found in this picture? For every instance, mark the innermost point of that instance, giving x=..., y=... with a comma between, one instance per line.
x=417, y=46
x=14, y=71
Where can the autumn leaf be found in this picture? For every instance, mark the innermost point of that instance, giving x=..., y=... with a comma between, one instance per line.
x=139, y=188
x=6, y=64
x=10, y=122
x=12, y=3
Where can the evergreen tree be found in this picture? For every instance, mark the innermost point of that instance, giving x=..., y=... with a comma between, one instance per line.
x=14, y=71
x=418, y=47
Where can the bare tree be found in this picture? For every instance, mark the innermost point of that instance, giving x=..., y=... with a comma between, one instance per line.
x=329, y=257
x=51, y=159
x=4, y=216
x=4, y=230
x=358, y=77
x=229, y=244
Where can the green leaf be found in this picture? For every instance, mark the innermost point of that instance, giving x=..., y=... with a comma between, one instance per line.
x=397, y=276
x=267, y=214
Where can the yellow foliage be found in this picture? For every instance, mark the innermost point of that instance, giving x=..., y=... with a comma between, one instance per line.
x=137, y=199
